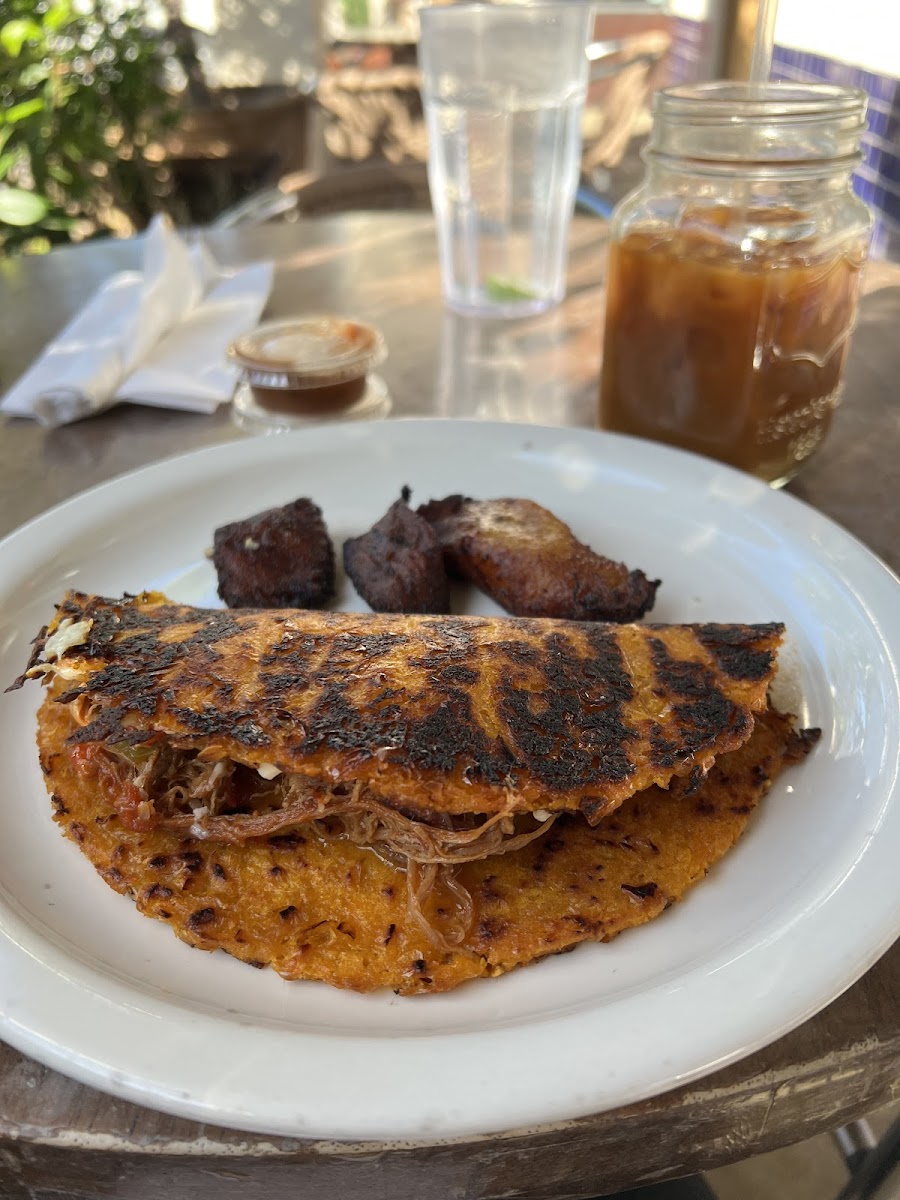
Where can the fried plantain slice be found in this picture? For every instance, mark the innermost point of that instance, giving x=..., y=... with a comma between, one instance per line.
x=313, y=907
x=532, y=564
x=398, y=566
x=280, y=558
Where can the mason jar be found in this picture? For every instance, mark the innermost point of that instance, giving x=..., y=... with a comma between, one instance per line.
x=734, y=273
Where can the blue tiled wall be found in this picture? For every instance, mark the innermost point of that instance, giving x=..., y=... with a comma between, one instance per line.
x=688, y=50
x=877, y=179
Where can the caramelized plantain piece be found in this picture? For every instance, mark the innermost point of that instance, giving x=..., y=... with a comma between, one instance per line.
x=398, y=566
x=532, y=564
x=281, y=558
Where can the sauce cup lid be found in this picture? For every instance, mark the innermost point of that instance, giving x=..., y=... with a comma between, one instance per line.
x=308, y=352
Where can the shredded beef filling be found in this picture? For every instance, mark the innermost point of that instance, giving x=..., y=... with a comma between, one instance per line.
x=157, y=785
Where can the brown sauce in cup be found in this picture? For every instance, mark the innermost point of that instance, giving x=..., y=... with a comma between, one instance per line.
x=308, y=366
x=324, y=399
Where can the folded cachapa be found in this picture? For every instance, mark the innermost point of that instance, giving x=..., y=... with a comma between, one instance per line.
x=314, y=905
x=416, y=714
x=393, y=776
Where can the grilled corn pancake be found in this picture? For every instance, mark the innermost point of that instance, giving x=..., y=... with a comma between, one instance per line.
x=315, y=906
x=417, y=718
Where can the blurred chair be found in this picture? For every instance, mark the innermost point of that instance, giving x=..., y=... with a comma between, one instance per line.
x=374, y=118
x=373, y=114
x=623, y=111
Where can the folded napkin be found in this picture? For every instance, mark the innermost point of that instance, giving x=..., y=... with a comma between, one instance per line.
x=156, y=336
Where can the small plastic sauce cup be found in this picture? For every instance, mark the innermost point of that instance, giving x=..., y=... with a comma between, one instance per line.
x=308, y=369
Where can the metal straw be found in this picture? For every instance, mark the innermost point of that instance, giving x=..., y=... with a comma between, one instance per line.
x=763, y=40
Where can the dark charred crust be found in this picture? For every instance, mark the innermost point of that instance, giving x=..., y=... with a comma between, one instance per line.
x=34, y=658
x=105, y=728
x=491, y=927
x=76, y=831
x=457, y=673
x=221, y=625
x=218, y=870
x=157, y=862
x=449, y=732
x=643, y=891
x=705, y=711
x=593, y=808
x=734, y=657
x=294, y=652
x=582, y=923
x=662, y=749
x=801, y=743
x=157, y=891
x=201, y=918
x=211, y=721
x=562, y=699
x=59, y=807
x=398, y=566
x=693, y=782
x=391, y=930
x=347, y=646
x=580, y=738
x=281, y=558
x=130, y=638
x=275, y=685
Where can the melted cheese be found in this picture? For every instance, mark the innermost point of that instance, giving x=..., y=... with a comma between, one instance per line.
x=67, y=634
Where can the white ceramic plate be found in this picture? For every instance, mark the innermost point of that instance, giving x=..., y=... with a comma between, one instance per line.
x=809, y=898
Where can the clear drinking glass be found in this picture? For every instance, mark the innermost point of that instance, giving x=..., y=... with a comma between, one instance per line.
x=504, y=89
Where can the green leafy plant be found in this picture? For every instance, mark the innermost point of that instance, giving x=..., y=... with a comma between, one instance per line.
x=83, y=109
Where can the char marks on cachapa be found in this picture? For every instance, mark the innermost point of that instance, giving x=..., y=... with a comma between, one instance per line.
x=432, y=715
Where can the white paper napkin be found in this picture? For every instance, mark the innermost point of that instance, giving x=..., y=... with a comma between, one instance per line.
x=156, y=336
